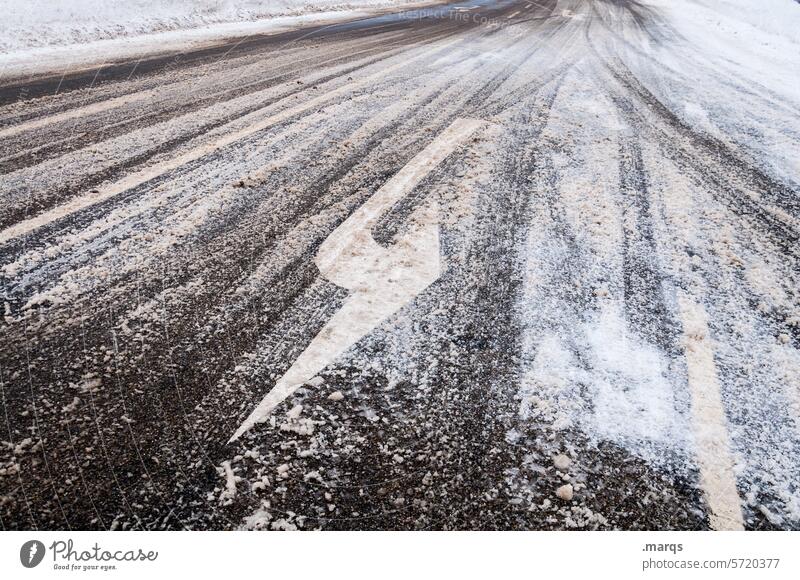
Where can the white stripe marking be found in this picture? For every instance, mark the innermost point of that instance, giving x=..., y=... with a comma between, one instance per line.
x=84, y=111
x=708, y=420
x=382, y=280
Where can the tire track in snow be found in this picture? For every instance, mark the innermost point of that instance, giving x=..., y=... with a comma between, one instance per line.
x=158, y=169
x=94, y=129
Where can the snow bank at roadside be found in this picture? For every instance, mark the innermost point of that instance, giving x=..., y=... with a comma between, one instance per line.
x=50, y=23
x=759, y=40
x=775, y=17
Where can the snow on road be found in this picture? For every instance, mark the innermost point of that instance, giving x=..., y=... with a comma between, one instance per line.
x=589, y=290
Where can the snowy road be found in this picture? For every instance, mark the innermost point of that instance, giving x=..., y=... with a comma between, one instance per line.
x=501, y=264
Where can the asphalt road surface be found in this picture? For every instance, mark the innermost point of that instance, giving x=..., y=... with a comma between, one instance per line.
x=491, y=265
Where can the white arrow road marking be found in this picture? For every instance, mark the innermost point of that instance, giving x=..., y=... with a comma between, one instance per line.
x=708, y=420
x=382, y=280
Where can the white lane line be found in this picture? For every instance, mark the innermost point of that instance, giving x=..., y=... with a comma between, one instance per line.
x=92, y=109
x=382, y=280
x=148, y=173
x=712, y=444
x=510, y=16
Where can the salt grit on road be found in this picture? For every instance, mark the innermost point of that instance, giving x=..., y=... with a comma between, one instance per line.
x=487, y=265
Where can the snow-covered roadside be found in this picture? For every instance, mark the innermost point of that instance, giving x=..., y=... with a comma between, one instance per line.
x=47, y=35
x=762, y=38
